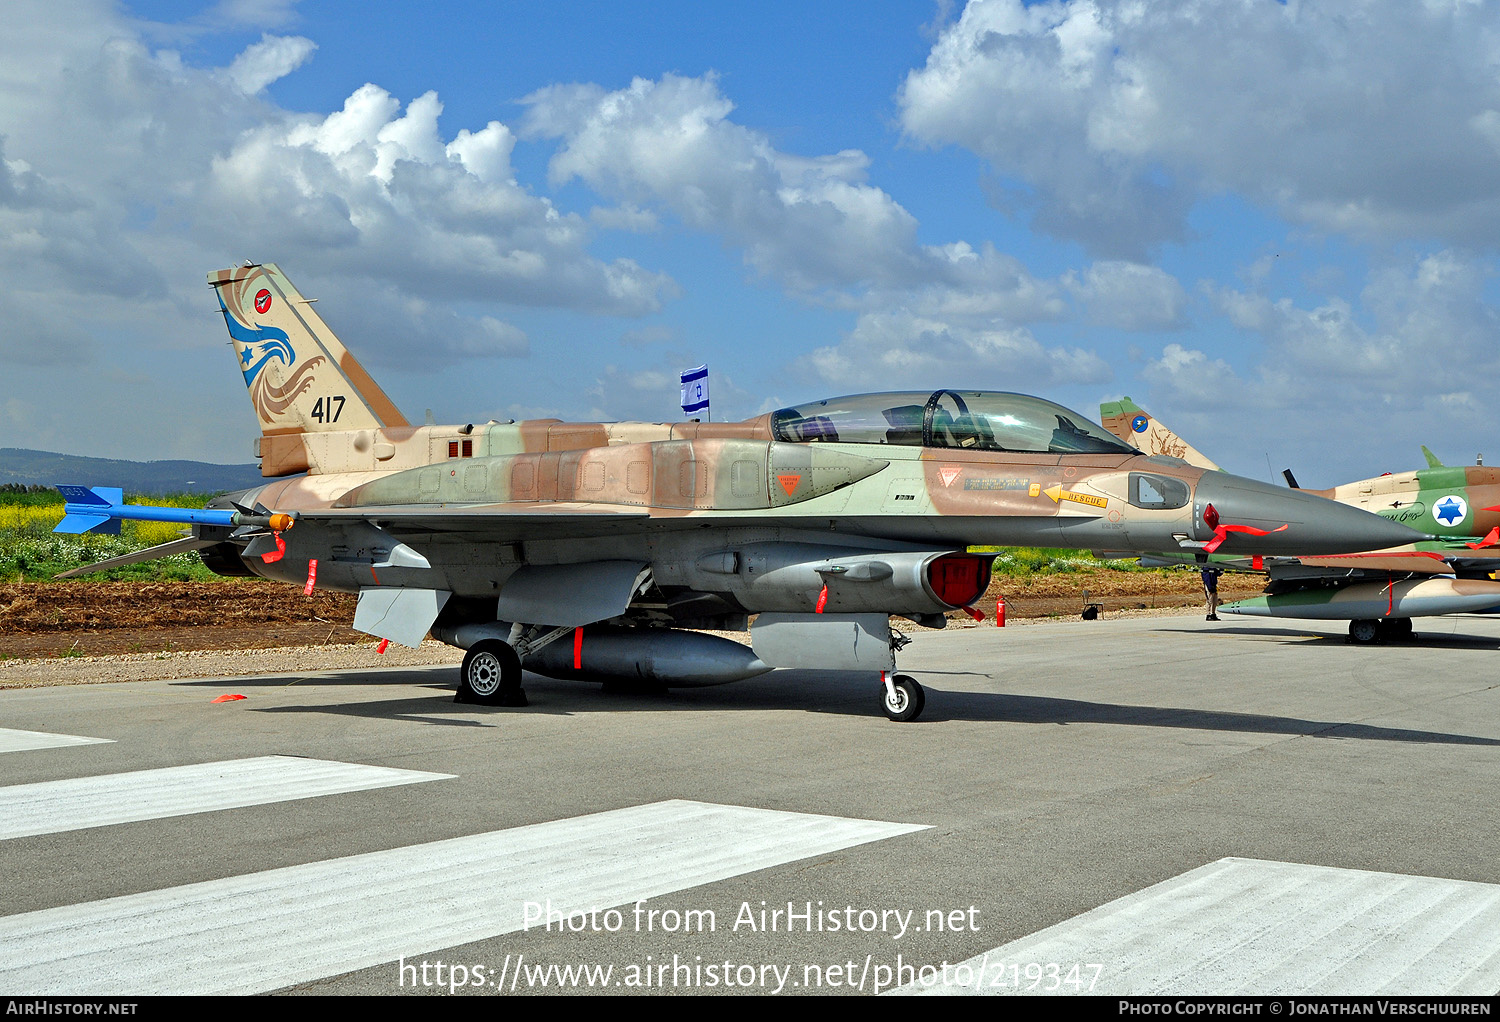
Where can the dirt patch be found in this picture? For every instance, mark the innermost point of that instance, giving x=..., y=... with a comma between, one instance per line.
x=1067, y=594
x=94, y=618
x=104, y=618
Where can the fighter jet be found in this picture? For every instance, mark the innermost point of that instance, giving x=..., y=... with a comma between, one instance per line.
x=607, y=550
x=1377, y=592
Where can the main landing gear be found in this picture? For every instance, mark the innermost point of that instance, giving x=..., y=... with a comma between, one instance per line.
x=491, y=675
x=1368, y=630
x=903, y=699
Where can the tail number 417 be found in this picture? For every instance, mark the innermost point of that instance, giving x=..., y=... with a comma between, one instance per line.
x=328, y=409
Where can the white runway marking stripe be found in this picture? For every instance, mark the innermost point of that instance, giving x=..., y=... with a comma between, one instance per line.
x=51, y=807
x=268, y=930
x=21, y=741
x=1250, y=927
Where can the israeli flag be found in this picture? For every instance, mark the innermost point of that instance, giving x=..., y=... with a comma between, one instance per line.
x=695, y=391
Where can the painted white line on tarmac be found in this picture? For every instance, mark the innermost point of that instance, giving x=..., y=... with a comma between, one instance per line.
x=51, y=807
x=23, y=741
x=1250, y=927
x=268, y=930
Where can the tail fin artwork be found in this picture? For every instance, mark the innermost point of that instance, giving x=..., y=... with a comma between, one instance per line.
x=301, y=379
x=1128, y=421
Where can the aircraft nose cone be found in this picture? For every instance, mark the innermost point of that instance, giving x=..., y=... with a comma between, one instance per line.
x=1314, y=525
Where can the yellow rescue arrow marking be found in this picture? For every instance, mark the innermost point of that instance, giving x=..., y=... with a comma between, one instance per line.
x=1058, y=494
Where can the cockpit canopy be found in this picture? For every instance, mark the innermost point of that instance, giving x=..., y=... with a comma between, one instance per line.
x=975, y=420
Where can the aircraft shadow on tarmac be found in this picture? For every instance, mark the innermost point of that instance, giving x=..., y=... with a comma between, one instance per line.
x=808, y=691
x=1430, y=639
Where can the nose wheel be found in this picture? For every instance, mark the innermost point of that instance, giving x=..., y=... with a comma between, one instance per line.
x=903, y=698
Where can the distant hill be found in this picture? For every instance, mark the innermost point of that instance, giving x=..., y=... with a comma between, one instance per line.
x=43, y=468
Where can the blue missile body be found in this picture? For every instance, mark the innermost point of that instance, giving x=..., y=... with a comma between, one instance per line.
x=101, y=509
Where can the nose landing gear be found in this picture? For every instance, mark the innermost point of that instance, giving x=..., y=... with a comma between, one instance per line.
x=903, y=699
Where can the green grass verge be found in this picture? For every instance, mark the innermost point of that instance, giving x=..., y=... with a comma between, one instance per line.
x=30, y=551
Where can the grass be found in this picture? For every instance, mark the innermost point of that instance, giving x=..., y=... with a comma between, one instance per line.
x=31, y=551
x=1023, y=562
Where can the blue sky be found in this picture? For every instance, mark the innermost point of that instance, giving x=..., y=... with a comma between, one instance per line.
x=1275, y=226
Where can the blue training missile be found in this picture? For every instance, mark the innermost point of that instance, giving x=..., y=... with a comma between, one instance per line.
x=100, y=509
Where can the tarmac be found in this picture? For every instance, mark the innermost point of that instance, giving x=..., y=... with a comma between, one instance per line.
x=1125, y=806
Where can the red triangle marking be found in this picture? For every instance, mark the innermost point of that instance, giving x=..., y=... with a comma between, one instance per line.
x=789, y=483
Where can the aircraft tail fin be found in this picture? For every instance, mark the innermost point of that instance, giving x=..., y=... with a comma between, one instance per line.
x=1132, y=424
x=1433, y=461
x=301, y=378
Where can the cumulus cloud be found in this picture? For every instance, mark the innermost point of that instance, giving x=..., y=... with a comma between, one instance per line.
x=815, y=225
x=1106, y=120
x=1129, y=296
x=269, y=60
x=1343, y=382
x=380, y=192
x=810, y=223
x=900, y=350
x=163, y=162
x=1425, y=320
x=126, y=173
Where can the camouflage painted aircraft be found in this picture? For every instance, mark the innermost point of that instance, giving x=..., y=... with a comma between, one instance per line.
x=1377, y=592
x=603, y=550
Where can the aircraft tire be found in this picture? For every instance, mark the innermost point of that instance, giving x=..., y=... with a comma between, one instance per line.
x=908, y=701
x=1397, y=629
x=1364, y=631
x=491, y=675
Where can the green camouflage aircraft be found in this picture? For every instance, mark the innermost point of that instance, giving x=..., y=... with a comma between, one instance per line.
x=1377, y=592
x=628, y=540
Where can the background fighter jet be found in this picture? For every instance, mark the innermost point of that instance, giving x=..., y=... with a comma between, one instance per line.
x=626, y=540
x=1377, y=592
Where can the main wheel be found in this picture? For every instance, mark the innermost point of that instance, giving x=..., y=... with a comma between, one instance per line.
x=491, y=675
x=907, y=700
x=1396, y=629
x=1364, y=630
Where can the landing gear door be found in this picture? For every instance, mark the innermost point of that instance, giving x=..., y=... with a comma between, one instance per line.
x=570, y=595
x=401, y=615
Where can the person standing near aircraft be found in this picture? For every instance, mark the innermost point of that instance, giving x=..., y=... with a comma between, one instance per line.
x=1210, y=578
